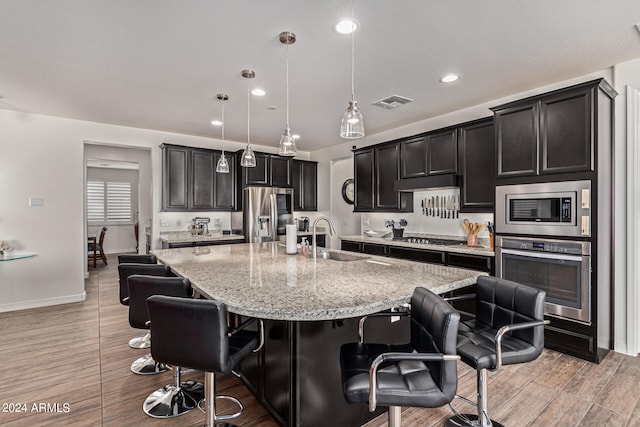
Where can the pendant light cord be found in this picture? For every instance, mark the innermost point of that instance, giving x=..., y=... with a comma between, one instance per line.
x=223, y=125
x=287, y=74
x=353, y=43
x=248, y=114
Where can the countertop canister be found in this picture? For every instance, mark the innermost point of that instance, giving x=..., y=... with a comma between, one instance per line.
x=292, y=238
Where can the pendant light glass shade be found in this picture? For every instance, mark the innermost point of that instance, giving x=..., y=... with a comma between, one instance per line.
x=287, y=146
x=248, y=159
x=223, y=164
x=352, y=125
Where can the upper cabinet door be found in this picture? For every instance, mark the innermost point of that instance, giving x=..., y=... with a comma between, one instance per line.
x=225, y=184
x=442, y=152
x=386, y=172
x=310, y=186
x=477, y=166
x=175, y=178
x=203, y=167
x=413, y=158
x=280, y=171
x=363, y=173
x=258, y=175
x=517, y=140
x=567, y=132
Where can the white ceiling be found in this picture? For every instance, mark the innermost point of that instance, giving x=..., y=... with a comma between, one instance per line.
x=159, y=64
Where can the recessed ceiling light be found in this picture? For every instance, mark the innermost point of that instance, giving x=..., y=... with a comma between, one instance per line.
x=450, y=78
x=346, y=26
x=295, y=136
x=216, y=122
x=258, y=92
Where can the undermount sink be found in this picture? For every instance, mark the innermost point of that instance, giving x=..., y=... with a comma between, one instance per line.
x=340, y=256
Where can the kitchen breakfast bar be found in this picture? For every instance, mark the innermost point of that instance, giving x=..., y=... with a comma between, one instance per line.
x=310, y=307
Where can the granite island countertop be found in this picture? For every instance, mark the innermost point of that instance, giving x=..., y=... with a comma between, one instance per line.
x=462, y=248
x=260, y=280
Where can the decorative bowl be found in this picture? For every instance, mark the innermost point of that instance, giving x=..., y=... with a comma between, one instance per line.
x=373, y=233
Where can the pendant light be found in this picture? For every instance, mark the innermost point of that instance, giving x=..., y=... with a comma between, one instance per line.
x=223, y=164
x=287, y=143
x=352, y=125
x=248, y=159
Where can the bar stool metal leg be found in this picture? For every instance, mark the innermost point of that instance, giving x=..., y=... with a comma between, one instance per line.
x=146, y=365
x=394, y=416
x=482, y=418
x=143, y=341
x=209, y=402
x=171, y=400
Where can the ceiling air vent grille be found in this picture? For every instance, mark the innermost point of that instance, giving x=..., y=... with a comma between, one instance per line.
x=392, y=101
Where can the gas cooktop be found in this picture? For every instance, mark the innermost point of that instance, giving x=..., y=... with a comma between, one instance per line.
x=430, y=241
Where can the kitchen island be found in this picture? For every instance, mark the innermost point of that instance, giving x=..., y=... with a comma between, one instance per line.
x=310, y=307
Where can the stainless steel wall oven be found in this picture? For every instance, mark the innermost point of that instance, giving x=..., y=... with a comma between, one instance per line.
x=562, y=268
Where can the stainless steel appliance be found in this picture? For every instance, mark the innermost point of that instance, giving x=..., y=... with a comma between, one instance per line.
x=200, y=226
x=267, y=210
x=562, y=268
x=550, y=209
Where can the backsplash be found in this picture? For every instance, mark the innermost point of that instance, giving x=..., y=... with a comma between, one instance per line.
x=417, y=222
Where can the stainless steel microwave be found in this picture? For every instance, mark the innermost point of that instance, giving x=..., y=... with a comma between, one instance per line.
x=549, y=208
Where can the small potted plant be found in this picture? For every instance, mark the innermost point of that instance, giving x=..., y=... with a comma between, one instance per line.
x=4, y=247
x=397, y=227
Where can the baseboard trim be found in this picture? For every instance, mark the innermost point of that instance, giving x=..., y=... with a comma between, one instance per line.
x=25, y=305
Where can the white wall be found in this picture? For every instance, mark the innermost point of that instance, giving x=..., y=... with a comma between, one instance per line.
x=627, y=217
x=43, y=156
x=346, y=222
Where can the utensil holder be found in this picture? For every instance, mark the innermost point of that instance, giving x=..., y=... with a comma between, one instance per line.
x=491, y=241
x=472, y=239
x=397, y=232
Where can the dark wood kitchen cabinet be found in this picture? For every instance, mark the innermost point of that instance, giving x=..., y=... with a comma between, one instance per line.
x=413, y=158
x=363, y=173
x=552, y=133
x=476, y=150
x=175, y=178
x=375, y=171
x=190, y=181
x=225, y=184
x=442, y=152
x=258, y=175
x=280, y=170
x=304, y=180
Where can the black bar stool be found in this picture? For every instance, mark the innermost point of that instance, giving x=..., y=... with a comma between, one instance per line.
x=174, y=399
x=140, y=288
x=422, y=373
x=138, y=264
x=508, y=329
x=194, y=333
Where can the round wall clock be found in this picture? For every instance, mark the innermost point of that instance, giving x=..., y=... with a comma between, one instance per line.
x=348, y=191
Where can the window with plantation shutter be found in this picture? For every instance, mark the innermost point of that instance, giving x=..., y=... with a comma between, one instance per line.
x=109, y=202
x=118, y=201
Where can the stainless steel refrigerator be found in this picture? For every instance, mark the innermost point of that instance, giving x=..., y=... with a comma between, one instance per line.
x=266, y=212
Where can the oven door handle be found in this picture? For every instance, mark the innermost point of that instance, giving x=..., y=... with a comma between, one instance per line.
x=544, y=255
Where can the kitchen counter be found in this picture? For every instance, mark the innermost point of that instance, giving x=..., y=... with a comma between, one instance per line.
x=462, y=249
x=309, y=309
x=260, y=280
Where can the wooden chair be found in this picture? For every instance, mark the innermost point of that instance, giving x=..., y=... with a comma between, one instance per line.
x=96, y=249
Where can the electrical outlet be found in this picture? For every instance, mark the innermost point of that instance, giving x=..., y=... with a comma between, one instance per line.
x=178, y=221
x=366, y=220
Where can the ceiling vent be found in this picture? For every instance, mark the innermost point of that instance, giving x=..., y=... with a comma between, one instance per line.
x=392, y=101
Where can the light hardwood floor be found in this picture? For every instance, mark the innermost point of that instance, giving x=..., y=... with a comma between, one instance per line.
x=77, y=354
